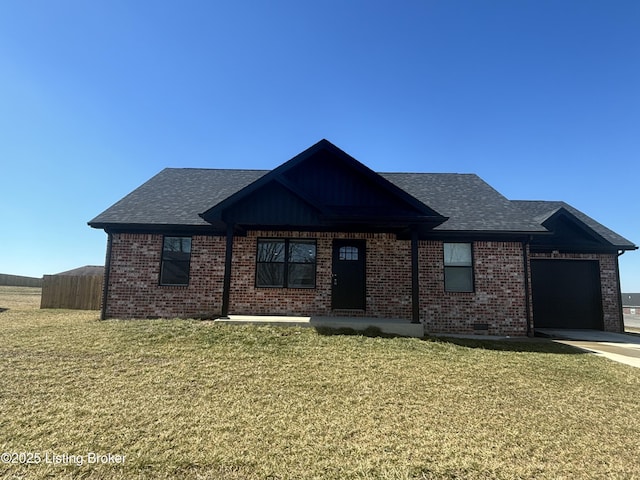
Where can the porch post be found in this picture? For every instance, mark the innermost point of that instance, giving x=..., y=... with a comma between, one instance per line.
x=107, y=273
x=226, y=284
x=619, y=288
x=415, y=282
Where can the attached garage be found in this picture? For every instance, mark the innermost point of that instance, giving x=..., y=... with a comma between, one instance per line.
x=566, y=294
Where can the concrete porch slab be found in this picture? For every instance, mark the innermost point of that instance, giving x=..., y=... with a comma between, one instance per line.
x=391, y=326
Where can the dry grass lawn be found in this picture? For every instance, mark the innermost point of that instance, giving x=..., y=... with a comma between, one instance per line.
x=188, y=399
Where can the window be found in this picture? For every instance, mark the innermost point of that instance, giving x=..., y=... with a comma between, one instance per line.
x=176, y=256
x=348, y=253
x=286, y=263
x=458, y=267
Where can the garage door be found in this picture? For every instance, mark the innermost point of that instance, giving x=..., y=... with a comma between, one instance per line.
x=566, y=294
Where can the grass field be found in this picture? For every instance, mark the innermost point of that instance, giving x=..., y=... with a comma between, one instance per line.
x=188, y=399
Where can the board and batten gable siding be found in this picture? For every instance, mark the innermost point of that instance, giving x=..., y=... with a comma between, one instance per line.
x=134, y=290
x=498, y=300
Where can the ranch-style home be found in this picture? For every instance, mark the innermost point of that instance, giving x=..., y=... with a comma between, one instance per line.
x=323, y=235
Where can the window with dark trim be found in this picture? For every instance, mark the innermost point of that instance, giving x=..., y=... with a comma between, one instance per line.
x=286, y=263
x=458, y=267
x=176, y=257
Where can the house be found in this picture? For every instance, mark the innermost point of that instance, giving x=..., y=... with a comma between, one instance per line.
x=631, y=303
x=324, y=235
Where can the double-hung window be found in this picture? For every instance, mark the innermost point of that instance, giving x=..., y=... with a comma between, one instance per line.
x=286, y=263
x=458, y=267
x=176, y=257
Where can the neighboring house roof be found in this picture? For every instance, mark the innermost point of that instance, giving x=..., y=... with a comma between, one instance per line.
x=631, y=299
x=87, y=270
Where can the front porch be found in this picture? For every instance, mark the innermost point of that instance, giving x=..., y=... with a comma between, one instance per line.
x=391, y=326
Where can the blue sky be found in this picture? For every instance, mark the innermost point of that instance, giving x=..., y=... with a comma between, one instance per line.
x=540, y=98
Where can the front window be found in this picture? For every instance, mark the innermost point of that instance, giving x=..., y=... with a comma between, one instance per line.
x=289, y=263
x=458, y=267
x=176, y=257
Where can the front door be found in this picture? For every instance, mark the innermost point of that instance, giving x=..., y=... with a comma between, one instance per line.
x=348, y=280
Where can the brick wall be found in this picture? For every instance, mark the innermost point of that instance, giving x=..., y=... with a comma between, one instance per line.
x=388, y=271
x=134, y=290
x=610, y=287
x=498, y=299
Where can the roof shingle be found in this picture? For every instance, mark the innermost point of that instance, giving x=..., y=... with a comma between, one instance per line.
x=176, y=197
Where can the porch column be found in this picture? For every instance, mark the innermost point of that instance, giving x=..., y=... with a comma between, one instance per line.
x=415, y=282
x=226, y=284
x=107, y=273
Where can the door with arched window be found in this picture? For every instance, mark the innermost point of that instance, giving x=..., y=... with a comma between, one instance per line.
x=348, y=289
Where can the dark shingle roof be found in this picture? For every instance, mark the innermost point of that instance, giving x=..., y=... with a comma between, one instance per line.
x=468, y=201
x=631, y=299
x=176, y=197
x=541, y=210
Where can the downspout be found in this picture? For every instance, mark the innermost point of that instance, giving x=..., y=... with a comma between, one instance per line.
x=226, y=284
x=107, y=274
x=527, y=300
x=415, y=279
x=620, y=310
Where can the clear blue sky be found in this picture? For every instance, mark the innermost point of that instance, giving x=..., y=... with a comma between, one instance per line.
x=541, y=98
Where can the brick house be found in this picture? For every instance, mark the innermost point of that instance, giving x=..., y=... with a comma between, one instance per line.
x=323, y=235
x=631, y=303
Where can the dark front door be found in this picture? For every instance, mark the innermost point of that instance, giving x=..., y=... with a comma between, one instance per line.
x=566, y=294
x=348, y=280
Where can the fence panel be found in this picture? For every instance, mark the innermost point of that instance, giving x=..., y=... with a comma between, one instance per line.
x=19, y=281
x=74, y=292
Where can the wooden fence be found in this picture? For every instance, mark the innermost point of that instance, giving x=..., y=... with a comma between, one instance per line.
x=71, y=291
x=19, y=281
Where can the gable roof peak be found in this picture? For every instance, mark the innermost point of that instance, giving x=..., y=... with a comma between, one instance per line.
x=331, y=181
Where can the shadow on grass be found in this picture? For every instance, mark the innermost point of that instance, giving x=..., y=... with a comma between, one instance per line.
x=525, y=344
x=371, y=332
x=3, y=309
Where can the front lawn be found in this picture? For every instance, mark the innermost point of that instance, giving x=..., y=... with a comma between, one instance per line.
x=189, y=399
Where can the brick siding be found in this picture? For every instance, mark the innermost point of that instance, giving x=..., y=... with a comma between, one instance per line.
x=388, y=273
x=134, y=290
x=498, y=299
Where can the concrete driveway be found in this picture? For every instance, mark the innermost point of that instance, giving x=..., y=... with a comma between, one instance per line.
x=620, y=347
x=632, y=321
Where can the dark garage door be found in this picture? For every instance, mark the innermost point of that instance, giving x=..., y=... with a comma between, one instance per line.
x=566, y=294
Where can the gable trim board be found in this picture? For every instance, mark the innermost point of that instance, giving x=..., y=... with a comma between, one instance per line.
x=401, y=220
